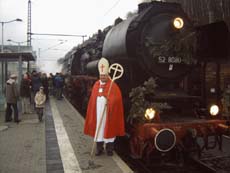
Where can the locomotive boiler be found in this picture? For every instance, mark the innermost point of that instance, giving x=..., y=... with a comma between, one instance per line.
x=171, y=97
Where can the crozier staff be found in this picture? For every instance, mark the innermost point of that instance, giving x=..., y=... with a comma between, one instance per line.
x=105, y=99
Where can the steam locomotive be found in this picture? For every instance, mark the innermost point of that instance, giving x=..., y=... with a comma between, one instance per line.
x=172, y=81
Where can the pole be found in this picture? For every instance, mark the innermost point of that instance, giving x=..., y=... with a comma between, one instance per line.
x=83, y=38
x=20, y=69
x=19, y=47
x=2, y=36
x=4, y=76
x=18, y=20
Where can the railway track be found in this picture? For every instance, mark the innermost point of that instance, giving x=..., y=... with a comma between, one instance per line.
x=207, y=165
x=215, y=164
x=138, y=166
x=211, y=162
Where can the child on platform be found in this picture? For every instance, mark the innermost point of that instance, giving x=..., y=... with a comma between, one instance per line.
x=40, y=99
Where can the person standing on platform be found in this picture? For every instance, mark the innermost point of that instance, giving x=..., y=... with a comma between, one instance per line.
x=45, y=84
x=59, y=83
x=36, y=83
x=104, y=128
x=12, y=96
x=40, y=99
x=51, y=84
x=25, y=88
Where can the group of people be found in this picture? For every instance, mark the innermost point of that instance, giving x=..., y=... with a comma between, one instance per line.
x=34, y=90
x=104, y=118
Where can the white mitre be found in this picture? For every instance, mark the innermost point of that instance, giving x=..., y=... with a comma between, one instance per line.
x=103, y=66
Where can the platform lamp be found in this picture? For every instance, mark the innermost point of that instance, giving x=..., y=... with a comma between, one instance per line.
x=2, y=23
x=2, y=100
x=17, y=42
x=2, y=49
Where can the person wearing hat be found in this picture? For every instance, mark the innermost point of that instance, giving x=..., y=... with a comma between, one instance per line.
x=104, y=128
x=39, y=100
x=12, y=96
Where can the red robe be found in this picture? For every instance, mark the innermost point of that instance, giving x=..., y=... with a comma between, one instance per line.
x=114, y=125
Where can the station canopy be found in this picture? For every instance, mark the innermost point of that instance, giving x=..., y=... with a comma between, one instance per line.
x=13, y=53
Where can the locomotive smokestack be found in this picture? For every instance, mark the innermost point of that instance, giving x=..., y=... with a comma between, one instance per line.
x=142, y=6
x=145, y=4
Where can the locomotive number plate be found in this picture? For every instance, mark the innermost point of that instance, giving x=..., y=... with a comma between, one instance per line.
x=170, y=59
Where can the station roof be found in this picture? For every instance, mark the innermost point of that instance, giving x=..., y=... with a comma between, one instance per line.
x=12, y=53
x=26, y=56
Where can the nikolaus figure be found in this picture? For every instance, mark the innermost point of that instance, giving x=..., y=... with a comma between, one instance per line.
x=105, y=128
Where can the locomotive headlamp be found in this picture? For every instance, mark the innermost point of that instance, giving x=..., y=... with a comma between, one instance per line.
x=178, y=23
x=214, y=110
x=150, y=113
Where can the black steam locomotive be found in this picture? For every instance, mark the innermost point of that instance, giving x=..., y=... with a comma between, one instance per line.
x=171, y=78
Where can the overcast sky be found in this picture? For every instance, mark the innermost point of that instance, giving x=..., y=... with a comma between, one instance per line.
x=72, y=17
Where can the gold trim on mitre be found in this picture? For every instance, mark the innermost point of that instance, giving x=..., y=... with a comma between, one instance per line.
x=103, y=66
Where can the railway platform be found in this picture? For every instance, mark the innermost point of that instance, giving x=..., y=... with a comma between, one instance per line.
x=56, y=145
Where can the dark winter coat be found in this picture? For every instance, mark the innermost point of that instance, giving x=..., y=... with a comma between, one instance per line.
x=59, y=82
x=12, y=93
x=25, y=88
x=36, y=83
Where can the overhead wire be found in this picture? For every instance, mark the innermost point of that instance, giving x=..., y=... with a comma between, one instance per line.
x=114, y=5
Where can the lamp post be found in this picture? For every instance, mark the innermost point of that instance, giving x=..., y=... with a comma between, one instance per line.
x=2, y=23
x=20, y=63
x=17, y=42
x=2, y=100
x=3, y=77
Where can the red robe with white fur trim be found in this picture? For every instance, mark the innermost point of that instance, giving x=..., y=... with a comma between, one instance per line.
x=114, y=117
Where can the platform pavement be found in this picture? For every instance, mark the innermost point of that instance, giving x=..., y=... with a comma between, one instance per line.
x=34, y=147
x=22, y=146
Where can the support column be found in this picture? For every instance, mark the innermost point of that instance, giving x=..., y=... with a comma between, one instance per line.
x=6, y=71
x=28, y=66
x=2, y=76
x=19, y=69
x=2, y=94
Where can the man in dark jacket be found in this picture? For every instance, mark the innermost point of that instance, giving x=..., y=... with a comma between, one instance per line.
x=12, y=96
x=59, y=84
